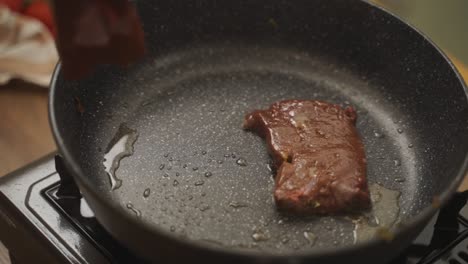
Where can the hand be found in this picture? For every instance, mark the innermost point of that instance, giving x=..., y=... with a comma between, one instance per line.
x=92, y=32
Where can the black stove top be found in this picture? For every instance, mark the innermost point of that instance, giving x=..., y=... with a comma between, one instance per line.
x=43, y=219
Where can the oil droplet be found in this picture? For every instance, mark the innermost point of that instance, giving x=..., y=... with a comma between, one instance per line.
x=241, y=162
x=175, y=183
x=199, y=183
x=205, y=207
x=269, y=167
x=119, y=147
x=227, y=155
x=410, y=145
x=397, y=163
x=161, y=167
x=372, y=220
x=237, y=205
x=203, y=152
x=284, y=240
x=134, y=210
x=220, y=162
x=378, y=135
x=166, y=155
x=195, y=168
x=172, y=228
x=146, y=193
x=399, y=130
x=203, y=194
x=259, y=236
x=208, y=174
x=184, y=166
x=177, y=174
x=310, y=237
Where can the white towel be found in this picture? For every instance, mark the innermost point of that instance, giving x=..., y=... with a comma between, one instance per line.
x=27, y=49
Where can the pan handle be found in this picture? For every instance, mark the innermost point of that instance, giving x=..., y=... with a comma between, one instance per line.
x=446, y=228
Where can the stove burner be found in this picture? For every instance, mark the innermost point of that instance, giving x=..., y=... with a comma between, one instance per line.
x=44, y=219
x=78, y=213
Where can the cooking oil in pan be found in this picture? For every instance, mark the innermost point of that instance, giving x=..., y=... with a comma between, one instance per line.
x=146, y=192
x=381, y=219
x=119, y=147
x=310, y=237
x=134, y=210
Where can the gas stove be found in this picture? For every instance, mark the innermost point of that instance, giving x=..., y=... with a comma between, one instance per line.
x=44, y=219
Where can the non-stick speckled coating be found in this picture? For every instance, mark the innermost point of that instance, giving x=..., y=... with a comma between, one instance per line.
x=187, y=101
x=199, y=107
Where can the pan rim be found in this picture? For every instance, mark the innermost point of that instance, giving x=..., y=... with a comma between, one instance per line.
x=425, y=214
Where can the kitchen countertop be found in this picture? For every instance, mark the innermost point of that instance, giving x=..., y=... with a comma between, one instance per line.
x=24, y=129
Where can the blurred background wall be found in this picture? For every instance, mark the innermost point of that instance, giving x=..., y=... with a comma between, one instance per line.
x=444, y=21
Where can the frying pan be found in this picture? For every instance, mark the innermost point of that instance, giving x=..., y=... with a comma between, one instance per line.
x=195, y=186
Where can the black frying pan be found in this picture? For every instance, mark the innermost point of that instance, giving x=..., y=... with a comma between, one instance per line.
x=209, y=63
